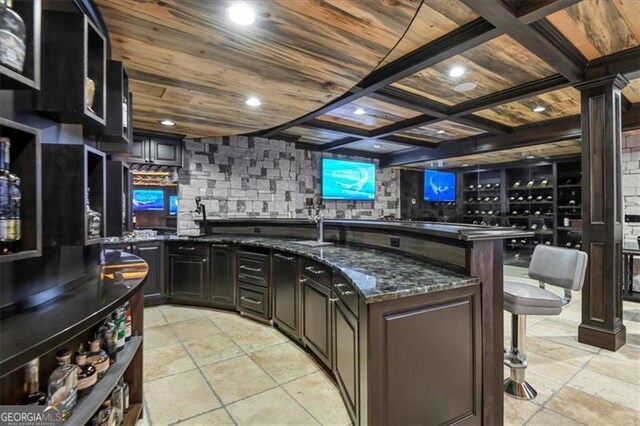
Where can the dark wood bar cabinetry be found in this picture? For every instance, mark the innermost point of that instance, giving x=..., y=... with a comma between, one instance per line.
x=286, y=294
x=188, y=271
x=154, y=149
x=222, y=291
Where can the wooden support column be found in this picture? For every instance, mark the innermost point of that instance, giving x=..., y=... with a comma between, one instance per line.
x=602, y=212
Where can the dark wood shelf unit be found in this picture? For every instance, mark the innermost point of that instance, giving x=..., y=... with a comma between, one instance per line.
x=25, y=163
x=70, y=38
x=29, y=78
x=69, y=171
x=118, y=204
x=118, y=131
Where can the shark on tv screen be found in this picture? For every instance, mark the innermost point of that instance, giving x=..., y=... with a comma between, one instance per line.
x=148, y=199
x=439, y=186
x=348, y=180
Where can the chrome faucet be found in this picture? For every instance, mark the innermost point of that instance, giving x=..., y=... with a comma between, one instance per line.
x=318, y=217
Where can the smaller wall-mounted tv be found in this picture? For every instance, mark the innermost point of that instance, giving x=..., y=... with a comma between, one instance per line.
x=348, y=180
x=439, y=186
x=148, y=199
x=173, y=205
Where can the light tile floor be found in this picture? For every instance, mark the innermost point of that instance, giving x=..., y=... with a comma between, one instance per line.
x=206, y=367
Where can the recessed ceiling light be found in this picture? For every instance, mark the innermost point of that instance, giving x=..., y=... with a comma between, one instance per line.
x=539, y=108
x=456, y=71
x=359, y=111
x=167, y=122
x=377, y=146
x=465, y=164
x=465, y=87
x=241, y=14
x=530, y=157
x=440, y=132
x=254, y=102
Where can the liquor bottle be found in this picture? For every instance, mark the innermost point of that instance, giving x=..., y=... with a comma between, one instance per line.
x=32, y=394
x=13, y=37
x=108, y=333
x=90, y=93
x=118, y=318
x=539, y=198
x=544, y=182
x=106, y=416
x=565, y=221
x=517, y=184
x=87, y=375
x=125, y=114
x=94, y=220
x=10, y=200
x=117, y=402
x=63, y=385
x=487, y=199
x=496, y=198
x=526, y=213
x=98, y=357
x=537, y=213
x=572, y=201
x=125, y=392
x=496, y=186
x=531, y=183
x=127, y=321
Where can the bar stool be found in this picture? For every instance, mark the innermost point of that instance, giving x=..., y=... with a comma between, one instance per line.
x=556, y=266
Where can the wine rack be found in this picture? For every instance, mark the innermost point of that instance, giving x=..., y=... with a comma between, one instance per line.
x=483, y=195
x=25, y=163
x=570, y=205
x=29, y=78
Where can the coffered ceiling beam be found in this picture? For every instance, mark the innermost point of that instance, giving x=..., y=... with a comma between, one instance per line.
x=483, y=124
x=498, y=14
x=338, y=128
x=532, y=11
x=458, y=41
x=411, y=101
x=626, y=63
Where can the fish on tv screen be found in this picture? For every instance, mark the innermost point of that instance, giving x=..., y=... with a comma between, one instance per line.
x=148, y=199
x=348, y=180
x=439, y=186
x=173, y=205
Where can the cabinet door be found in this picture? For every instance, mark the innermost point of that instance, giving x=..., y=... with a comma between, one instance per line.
x=221, y=288
x=165, y=152
x=316, y=323
x=152, y=253
x=285, y=294
x=187, y=277
x=345, y=361
x=138, y=150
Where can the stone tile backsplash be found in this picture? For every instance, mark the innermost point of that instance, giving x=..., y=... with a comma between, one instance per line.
x=241, y=176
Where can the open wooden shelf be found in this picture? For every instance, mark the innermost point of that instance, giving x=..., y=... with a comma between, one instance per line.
x=131, y=417
x=69, y=171
x=70, y=38
x=118, y=130
x=118, y=210
x=29, y=78
x=87, y=406
x=25, y=163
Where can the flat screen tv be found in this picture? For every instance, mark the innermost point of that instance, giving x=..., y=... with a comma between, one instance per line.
x=439, y=186
x=148, y=199
x=173, y=205
x=348, y=180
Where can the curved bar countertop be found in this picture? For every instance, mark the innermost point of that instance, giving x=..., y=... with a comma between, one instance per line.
x=83, y=305
x=377, y=275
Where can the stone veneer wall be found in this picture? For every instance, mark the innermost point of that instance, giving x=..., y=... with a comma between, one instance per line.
x=241, y=176
x=631, y=182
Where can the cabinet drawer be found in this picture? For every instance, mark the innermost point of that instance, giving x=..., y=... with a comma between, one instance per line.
x=349, y=295
x=316, y=271
x=188, y=249
x=253, y=268
x=254, y=300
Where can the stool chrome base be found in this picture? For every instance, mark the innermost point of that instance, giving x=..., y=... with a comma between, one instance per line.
x=519, y=390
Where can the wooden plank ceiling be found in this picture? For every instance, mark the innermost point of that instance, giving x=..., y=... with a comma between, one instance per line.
x=187, y=62
x=191, y=64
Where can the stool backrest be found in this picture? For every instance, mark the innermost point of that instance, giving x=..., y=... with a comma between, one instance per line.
x=559, y=266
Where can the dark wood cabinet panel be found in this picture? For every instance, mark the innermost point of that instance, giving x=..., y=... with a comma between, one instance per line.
x=153, y=254
x=253, y=300
x=253, y=268
x=165, y=152
x=345, y=356
x=138, y=150
x=316, y=325
x=188, y=277
x=221, y=285
x=286, y=298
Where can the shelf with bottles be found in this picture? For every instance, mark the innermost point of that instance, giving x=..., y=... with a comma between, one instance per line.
x=74, y=191
x=20, y=50
x=118, y=131
x=20, y=189
x=75, y=92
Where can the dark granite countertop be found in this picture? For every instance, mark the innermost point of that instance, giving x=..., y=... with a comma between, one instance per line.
x=459, y=231
x=76, y=307
x=378, y=275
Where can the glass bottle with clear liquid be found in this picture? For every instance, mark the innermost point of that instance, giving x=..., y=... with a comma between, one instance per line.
x=63, y=385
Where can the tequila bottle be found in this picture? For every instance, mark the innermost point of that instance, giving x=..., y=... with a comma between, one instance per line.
x=13, y=37
x=98, y=357
x=63, y=385
x=32, y=394
x=87, y=375
x=109, y=336
x=94, y=220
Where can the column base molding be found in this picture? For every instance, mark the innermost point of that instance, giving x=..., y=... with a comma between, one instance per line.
x=611, y=340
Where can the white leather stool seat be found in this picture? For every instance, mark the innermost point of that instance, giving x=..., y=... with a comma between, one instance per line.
x=526, y=299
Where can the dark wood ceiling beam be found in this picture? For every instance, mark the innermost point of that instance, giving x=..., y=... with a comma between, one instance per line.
x=498, y=14
x=411, y=101
x=626, y=62
x=551, y=33
x=458, y=41
x=338, y=128
x=339, y=144
x=482, y=124
x=404, y=125
x=532, y=11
